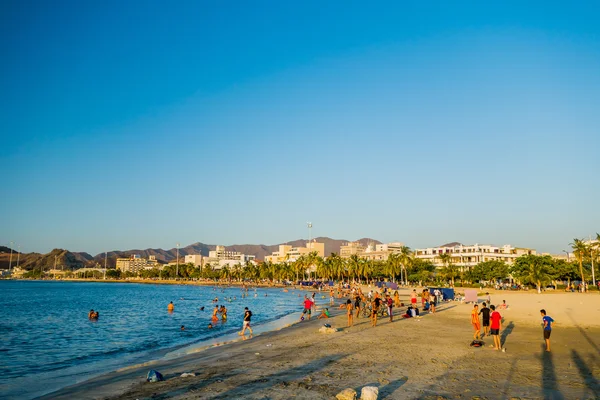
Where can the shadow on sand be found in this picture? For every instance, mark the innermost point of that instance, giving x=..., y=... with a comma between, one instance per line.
x=549, y=383
x=268, y=381
x=586, y=373
x=505, y=332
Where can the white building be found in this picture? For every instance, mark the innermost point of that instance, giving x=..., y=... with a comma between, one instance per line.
x=379, y=252
x=135, y=263
x=287, y=253
x=221, y=257
x=195, y=259
x=471, y=255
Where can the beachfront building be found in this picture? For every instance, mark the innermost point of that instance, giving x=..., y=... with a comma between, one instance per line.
x=470, y=255
x=372, y=251
x=350, y=249
x=220, y=257
x=287, y=253
x=194, y=259
x=136, y=263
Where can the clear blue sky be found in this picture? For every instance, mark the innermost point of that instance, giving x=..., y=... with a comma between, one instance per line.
x=134, y=124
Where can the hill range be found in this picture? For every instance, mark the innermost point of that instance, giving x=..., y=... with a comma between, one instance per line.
x=74, y=260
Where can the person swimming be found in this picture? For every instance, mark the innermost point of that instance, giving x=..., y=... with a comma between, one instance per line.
x=210, y=326
x=182, y=328
x=202, y=308
x=93, y=314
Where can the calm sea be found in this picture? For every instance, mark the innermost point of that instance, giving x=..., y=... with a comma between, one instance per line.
x=47, y=341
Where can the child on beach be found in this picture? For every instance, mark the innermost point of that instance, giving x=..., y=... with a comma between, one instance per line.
x=496, y=322
x=547, y=324
x=349, y=309
x=390, y=304
x=475, y=322
x=324, y=314
x=413, y=297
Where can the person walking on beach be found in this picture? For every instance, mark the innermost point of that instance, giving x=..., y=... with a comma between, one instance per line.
x=349, y=309
x=307, y=308
x=432, y=302
x=390, y=304
x=246, y=324
x=485, y=317
x=475, y=322
x=495, y=326
x=547, y=324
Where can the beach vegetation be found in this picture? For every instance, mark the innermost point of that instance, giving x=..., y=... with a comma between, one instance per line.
x=533, y=269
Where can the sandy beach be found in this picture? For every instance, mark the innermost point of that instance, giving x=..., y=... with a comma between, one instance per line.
x=425, y=358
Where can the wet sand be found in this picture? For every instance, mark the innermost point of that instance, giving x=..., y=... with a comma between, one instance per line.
x=423, y=358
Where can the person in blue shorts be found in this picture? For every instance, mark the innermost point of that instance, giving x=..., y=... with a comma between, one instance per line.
x=547, y=324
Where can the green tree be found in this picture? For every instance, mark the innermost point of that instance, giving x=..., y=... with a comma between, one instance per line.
x=488, y=271
x=580, y=249
x=393, y=266
x=406, y=260
x=565, y=270
x=450, y=271
x=533, y=269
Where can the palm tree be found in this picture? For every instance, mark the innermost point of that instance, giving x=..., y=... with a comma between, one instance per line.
x=449, y=270
x=405, y=261
x=580, y=249
x=299, y=265
x=354, y=266
x=393, y=266
x=533, y=268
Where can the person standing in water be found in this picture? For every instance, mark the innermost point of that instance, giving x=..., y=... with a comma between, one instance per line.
x=171, y=307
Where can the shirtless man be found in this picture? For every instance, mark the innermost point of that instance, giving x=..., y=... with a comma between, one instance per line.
x=475, y=322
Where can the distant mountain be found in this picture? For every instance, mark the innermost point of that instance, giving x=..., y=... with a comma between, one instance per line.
x=63, y=259
x=73, y=260
x=258, y=250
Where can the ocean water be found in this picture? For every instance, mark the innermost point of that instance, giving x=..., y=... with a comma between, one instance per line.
x=47, y=341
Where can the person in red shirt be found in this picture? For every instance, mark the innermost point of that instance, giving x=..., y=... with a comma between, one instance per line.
x=307, y=308
x=495, y=326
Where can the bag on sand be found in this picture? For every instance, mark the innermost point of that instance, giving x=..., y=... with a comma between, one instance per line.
x=154, y=376
x=476, y=343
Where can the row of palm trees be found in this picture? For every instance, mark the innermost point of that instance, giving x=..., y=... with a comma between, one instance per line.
x=402, y=266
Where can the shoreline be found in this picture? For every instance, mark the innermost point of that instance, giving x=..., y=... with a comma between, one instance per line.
x=33, y=385
x=408, y=358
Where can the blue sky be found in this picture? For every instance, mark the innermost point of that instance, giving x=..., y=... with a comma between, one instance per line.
x=144, y=124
